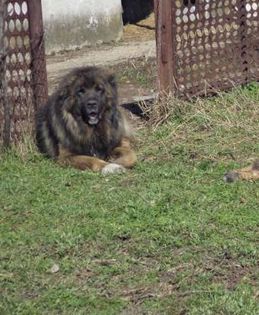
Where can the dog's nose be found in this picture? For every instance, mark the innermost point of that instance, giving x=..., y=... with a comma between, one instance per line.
x=92, y=104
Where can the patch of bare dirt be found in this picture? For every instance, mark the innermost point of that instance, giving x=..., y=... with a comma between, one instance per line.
x=58, y=66
x=137, y=42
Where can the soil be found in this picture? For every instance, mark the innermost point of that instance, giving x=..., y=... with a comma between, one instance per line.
x=107, y=55
x=137, y=42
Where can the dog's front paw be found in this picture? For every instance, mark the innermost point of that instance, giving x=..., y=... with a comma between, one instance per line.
x=113, y=168
x=231, y=177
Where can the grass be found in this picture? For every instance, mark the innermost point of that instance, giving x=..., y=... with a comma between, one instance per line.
x=139, y=71
x=169, y=237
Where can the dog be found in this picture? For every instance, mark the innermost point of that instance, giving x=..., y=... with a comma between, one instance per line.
x=247, y=173
x=82, y=125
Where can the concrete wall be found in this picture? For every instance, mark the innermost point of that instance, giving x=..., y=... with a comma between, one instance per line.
x=74, y=23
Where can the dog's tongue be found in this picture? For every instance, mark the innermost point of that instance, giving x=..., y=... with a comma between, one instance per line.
x=93, y=119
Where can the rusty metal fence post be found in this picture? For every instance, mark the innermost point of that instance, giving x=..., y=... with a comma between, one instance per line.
x=165, y=64
x=4, y=108
x=25, y=67
x=206, y=46
x=39, y=72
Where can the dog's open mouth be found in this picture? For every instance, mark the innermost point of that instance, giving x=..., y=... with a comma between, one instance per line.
x=90, y=116
x=93, y=118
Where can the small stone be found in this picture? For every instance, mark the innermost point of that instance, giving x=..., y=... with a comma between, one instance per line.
x=54, y=268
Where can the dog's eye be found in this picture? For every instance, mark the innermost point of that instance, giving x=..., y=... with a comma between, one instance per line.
x=99, y=88
x=80, y=92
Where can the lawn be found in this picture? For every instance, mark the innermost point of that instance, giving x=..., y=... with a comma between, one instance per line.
x=168, y=237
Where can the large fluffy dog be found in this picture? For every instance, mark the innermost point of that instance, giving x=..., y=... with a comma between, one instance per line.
x=82, y=126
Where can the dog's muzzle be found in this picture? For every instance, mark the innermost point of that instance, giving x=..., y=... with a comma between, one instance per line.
x=92, y=112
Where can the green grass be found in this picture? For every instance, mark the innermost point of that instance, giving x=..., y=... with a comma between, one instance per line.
x=169, y=237
x=139, y=71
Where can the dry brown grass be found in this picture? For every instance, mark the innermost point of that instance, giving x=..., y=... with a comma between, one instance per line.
x=221, y=127
x=137, y=33
x=227, y=109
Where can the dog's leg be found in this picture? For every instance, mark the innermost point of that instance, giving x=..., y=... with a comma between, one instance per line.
x=81, y=162
x=124, y=155
x=84, y=162
x=246, y=173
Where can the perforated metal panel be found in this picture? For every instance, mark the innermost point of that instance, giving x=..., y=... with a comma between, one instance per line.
x=25, y=64
x=251, y=34
x=211, y=44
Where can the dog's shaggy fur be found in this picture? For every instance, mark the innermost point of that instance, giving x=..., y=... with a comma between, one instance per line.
x=246, y=173
x=82, y=126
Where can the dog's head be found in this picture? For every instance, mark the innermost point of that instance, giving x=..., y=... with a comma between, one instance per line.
x=89, y=92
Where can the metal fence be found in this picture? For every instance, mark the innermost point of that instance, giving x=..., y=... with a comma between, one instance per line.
x=23, y=61
x=206, y=45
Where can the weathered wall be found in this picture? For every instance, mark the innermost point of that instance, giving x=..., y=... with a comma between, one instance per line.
x=70, y=24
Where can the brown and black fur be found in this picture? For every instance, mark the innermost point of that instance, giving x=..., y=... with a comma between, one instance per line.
x=247, y=173
x=81, y=125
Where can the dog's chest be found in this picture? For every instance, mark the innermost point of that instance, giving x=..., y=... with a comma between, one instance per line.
x=99, y=145
x=98, y=141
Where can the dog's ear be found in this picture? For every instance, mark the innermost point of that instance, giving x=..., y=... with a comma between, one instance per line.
x=65, y=88
x=112, y=80
x=62, y=94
